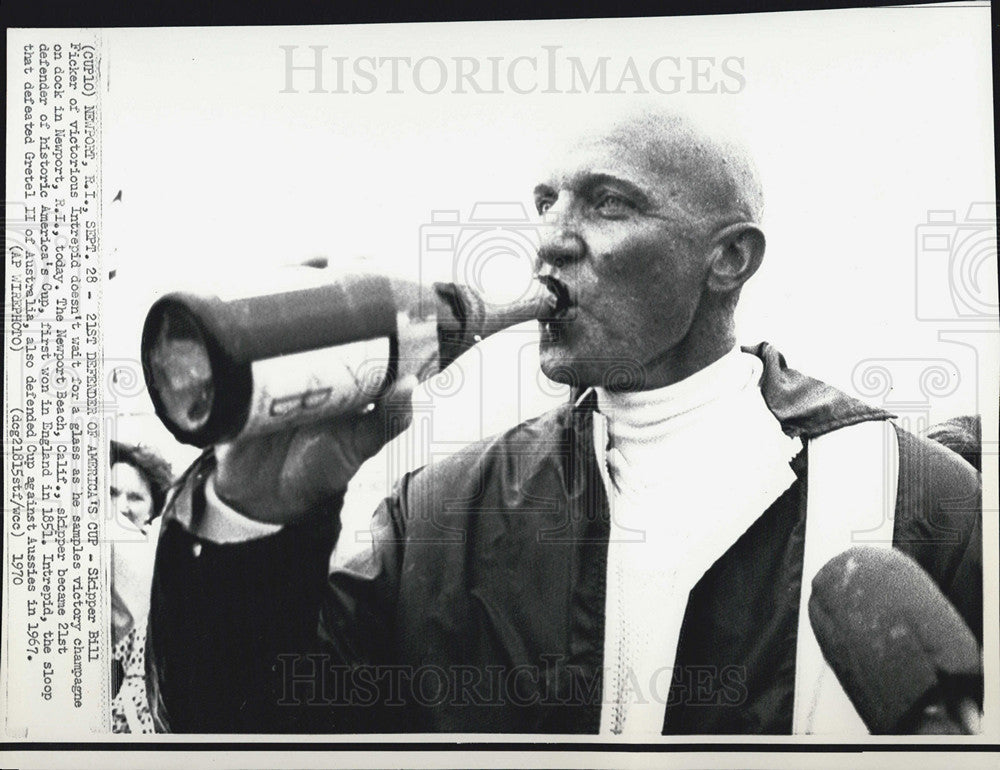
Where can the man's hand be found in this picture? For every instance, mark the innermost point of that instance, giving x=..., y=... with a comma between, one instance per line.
x=280, y=477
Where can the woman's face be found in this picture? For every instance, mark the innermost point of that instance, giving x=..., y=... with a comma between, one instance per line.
x=130, y=495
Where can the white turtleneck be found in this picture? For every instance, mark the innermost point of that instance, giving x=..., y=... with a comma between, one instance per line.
x=688, y=468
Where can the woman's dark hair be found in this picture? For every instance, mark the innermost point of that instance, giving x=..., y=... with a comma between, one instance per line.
x=154, y=469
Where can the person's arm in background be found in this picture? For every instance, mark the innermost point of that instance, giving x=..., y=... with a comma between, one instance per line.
x=939, y=524
x=241, y=574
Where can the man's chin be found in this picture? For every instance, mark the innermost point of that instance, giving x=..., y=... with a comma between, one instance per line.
x=562, y=368
x=617, y=374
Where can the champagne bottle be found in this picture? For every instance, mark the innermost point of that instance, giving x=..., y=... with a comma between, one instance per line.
x=306, y=346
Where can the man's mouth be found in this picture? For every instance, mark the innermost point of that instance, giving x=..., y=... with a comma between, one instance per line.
x=561, y=300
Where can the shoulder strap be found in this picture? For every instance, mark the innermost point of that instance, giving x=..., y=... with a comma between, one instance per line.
x=851, y=500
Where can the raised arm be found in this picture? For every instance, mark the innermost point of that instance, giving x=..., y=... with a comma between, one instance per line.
x=242, y=571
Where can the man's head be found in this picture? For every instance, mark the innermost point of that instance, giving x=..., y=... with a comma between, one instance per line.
x=652, y=227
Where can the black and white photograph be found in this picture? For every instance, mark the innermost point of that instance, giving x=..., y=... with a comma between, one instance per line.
x=566, y=392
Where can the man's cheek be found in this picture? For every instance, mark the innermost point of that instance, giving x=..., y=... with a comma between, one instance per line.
x=628, y=252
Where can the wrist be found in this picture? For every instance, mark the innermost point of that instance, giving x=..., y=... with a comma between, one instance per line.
x=223, y=522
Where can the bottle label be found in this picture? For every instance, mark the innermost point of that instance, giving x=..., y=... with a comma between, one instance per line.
x=318, y=384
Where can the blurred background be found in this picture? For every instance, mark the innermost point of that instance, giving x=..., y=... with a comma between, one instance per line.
x=872, y=128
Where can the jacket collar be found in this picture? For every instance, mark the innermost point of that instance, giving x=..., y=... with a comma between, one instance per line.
x=805, y=407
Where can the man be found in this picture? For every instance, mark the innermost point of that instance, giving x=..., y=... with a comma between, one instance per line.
x=630, y=563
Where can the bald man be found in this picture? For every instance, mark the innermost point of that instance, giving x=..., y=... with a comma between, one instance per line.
x=627, y=564
x=654, y=228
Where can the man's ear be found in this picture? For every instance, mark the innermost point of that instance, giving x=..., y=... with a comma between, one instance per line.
x=738, y=252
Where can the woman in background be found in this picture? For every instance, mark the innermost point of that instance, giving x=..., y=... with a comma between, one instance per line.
x=139, y=482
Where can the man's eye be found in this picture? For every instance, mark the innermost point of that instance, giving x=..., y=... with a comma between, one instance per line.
x=610, y=203
x=544, y=204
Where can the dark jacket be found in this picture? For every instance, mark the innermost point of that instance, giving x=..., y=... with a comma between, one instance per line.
x=480, y=606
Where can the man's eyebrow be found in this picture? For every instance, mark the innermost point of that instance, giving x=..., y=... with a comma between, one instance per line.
x=586, y=182
x=595, y=179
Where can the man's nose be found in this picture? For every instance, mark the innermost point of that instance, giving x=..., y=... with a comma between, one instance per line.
x=559, y=250
x=561, y=243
